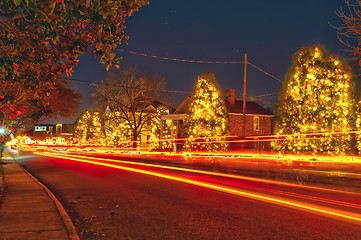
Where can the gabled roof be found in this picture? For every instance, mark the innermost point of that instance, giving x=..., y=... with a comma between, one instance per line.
x=145, y=103
x=237, y=107
x=251, y=108
x=182, y=108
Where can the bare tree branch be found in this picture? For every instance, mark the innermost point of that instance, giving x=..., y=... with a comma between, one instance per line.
x=129, y=95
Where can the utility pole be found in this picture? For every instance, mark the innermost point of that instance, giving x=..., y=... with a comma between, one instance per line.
x=244, y=96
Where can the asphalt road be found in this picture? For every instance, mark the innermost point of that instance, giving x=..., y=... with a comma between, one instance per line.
x=110, y=203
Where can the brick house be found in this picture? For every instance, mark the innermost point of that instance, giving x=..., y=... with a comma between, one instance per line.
x=258, y=119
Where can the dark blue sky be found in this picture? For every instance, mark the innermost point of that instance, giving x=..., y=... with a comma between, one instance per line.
x=270, y=32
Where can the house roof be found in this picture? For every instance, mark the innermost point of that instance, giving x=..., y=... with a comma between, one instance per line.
x=237, y=107
x=251, y=108
x=182, y=108
x=146, y=104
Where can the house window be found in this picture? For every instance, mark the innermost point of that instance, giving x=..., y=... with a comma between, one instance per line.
x=255, y=123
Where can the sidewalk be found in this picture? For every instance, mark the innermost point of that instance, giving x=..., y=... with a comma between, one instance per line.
x=29, y=210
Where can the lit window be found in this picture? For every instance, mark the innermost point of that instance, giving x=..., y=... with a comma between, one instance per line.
x=255, y=123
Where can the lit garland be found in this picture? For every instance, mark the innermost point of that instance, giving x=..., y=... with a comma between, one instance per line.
x=207, y=116
x=316, y=97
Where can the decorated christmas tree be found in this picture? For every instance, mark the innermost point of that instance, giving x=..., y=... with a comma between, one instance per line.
x=207, y=117
x=315, y=111
x=82, y=127
x=96, y=134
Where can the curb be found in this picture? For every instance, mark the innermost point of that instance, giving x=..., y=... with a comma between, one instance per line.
x=2, y=181
x=72, y=233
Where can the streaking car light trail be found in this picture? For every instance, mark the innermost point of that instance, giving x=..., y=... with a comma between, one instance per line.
x=239, y=177
x=338, y=214
x=206, y=172
x=303, y=134
x=275, y=157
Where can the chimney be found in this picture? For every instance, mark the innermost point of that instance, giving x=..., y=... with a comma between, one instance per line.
x=230, y=96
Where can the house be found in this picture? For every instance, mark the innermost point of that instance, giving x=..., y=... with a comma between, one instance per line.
x=177, y=118
x=64, y=130
x=258, y=119
x=43, y=131
x=144, y=115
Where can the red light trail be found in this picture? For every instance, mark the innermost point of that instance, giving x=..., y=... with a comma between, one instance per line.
x=297, y=204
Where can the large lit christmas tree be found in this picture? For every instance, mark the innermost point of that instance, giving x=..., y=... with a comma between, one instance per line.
x=315, y=111
x=96, y=134
x=207, y=117
x=81, y=130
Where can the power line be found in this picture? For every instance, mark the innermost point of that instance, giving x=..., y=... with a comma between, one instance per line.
x=123, y=86
x=163, y=90
x=264, y=72
x=266, y=95
x=180, y=60
x=199, y=61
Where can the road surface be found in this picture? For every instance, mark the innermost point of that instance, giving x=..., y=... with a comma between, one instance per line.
x=121, y=200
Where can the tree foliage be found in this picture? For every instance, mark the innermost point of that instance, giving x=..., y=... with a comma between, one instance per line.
x=316, y=109
x=131, y=96
x=62, y=102
x=207, y=117
x=41, y=40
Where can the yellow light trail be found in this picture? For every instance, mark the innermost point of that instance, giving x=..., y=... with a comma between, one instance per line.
x=355, y=218
x=207, y=173
x=244, y=155
x=300, y=134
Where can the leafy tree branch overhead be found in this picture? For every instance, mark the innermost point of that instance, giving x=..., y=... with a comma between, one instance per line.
x=25, y=108
x=41, y=40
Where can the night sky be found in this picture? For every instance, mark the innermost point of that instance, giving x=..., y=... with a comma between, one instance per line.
x=270, y=32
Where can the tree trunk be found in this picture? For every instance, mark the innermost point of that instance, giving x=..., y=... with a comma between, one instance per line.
x=135, y=139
